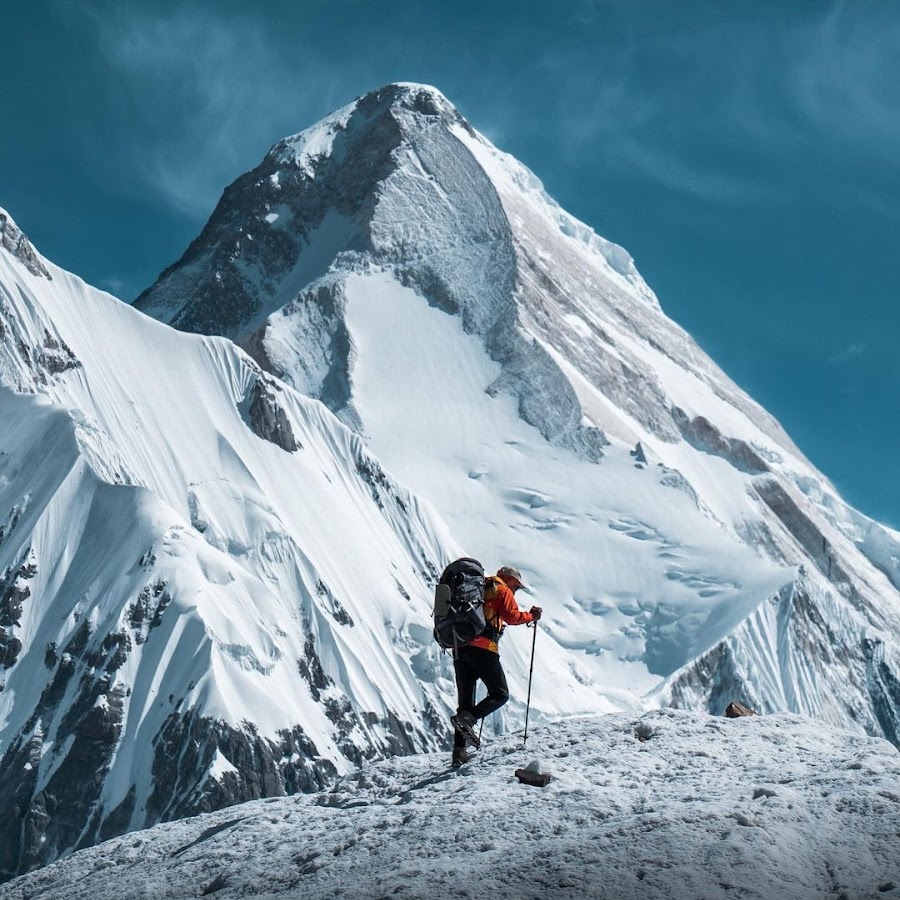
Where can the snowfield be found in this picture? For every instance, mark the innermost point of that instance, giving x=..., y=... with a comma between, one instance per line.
x=670, y=805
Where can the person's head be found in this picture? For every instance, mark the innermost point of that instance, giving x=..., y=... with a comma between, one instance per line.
x=511, y=577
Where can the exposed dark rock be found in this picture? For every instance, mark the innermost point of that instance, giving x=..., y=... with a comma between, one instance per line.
x=883, y=682
x=147, y=560
x=310, y=667
x=51, y=657
x=14, y=591
x=36, y=826
x=13, y=240
x=807, y=534
x=268, y=418
x=49, y=821
x=22, y=821
x=55, y=356
x=112, y=653
x=638, y=453
x=738, y=710
x=186, y=747
x=15, y=516
x=380, y=485
x=10, y=648
x=146, y=612
x=335, y=606
x=700, y=433
x=119, y=819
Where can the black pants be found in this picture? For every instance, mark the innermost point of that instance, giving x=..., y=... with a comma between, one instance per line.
x=474, y=664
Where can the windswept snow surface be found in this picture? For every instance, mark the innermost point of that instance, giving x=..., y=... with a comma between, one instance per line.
x=673, y=805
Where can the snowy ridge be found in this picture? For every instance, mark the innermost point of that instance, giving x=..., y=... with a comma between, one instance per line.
x=172, y=577
x=673, y=805
x=514, y=369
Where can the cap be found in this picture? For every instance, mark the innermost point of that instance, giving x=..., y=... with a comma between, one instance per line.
x=511, y=572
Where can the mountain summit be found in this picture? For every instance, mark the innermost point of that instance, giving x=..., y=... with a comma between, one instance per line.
x=514, y=368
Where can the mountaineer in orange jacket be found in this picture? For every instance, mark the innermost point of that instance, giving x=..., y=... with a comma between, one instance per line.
x=479, y=659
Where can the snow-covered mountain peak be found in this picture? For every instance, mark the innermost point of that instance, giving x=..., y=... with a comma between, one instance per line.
x=263, y=586
x=394, y=98
x=405, y=103
x=515, y=369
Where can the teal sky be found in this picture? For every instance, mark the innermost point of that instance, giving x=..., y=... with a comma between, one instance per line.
x=746, y=154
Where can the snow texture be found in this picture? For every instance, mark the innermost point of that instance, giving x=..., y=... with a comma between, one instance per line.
x=673, y=805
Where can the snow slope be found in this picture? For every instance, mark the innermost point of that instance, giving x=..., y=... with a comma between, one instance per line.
x=671, y=805
x=209, y=589
x=514, y=369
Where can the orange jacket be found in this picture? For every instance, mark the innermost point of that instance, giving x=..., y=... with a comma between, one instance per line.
x=499, y=607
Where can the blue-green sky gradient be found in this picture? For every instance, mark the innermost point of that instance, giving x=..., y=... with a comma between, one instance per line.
x=746, y=154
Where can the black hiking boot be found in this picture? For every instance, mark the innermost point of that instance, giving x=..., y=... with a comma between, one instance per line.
x=460, y=756
x=464, y=722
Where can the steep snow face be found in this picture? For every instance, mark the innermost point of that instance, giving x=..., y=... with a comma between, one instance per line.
x=209, y=589
x=673, y=805
x=516, y=371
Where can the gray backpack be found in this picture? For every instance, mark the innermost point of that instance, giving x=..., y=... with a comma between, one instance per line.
x=459, y=603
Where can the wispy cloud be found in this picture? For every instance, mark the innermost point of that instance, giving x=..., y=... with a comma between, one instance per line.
x=114, y=285
x=847, y=77
x=698, y=102
x=847, y=353
x=705, y=104
x=208, y=92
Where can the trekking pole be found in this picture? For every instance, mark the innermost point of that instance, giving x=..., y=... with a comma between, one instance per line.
x=530, y=673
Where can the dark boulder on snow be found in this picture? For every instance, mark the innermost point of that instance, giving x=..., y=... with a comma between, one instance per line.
x=738, y=710
x=535, y=779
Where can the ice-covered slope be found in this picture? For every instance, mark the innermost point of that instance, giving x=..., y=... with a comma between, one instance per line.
x=674, y=805
x=209, y=589
x=513, y=368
